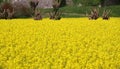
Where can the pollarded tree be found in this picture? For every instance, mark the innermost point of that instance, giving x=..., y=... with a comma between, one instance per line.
x=36, y=13
x=7, y=10
x=106, y=14
x=56, y=5
x=56, y=14
x=94, y=14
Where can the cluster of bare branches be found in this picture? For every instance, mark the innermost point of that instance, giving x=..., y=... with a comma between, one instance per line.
x=106, y=14
x=8, y=10
x=56, y=14
x=37, y=15
x=6, y=14
x=2, y=14
x=95, y=14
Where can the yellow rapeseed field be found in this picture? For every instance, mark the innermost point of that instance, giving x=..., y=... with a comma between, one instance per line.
x=71, y=43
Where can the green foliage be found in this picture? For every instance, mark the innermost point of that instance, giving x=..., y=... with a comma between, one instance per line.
x=76, y=1
x=87, y=2
x=1, y=1
x=4, y=1
x=93, y=2
x=75, y=11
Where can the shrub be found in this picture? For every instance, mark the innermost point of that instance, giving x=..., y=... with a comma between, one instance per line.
x=56, y=14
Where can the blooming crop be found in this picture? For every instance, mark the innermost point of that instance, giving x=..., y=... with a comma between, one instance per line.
x=71, y=43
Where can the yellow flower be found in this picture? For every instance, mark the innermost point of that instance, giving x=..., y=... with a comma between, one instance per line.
x=70, y=43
